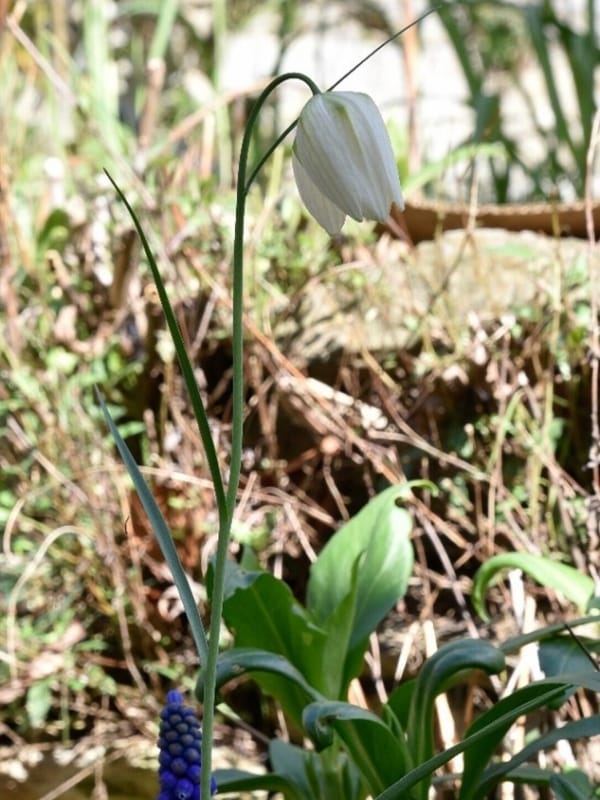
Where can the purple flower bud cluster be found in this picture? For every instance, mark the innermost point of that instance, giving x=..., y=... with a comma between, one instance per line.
x=179, y=743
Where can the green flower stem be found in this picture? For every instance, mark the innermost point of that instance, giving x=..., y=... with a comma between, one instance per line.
x=270, y=152
x=225, y=520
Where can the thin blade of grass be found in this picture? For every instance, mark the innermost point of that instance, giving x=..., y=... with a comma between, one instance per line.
x=535, y=26
x=398, y=790
x=577, y=729
x=164, y=28
x=103, y=97
x=582, y=56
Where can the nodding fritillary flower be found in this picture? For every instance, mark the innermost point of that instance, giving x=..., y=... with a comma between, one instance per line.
x=343, y=160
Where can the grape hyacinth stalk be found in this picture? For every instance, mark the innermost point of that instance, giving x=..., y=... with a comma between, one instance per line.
x=180, y=761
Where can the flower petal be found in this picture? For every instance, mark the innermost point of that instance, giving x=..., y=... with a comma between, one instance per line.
x=327, y=214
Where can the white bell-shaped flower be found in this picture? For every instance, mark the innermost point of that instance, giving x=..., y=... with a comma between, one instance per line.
x=343, y=160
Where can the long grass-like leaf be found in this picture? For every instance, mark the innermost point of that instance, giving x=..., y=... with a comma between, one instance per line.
x=582, y=55
x=239, y=661
x=163, y=535
x=104, y=98
x=184, y=361
x=577, y=729
x=465, y=153
x=535, y=25
x=515, y=643
x=437, y=673
x=401, y=789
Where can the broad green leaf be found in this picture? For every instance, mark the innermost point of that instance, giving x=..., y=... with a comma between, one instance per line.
x=563, y=654
x=572, y=785
x=292, y=761
x=340, y=666
x=263, y=614
x=438, y=672
x=237, y=780
x=329, y=774
x=379, y=535
x=247, y=660
x=578, y=729
x=400, y=701
x=380, y=756
x=574, y=585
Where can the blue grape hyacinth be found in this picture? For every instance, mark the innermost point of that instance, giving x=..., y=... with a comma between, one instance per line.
x=179, y=742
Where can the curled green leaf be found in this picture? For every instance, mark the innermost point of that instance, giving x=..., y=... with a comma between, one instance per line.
x=574, y=585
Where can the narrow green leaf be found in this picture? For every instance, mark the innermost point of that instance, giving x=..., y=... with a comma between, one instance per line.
x=574, y=585
x=438, y=672
x=163, y=536
x=184, y=361
x=531, y=775
x=103, y=93
x=578, y=729
x=583, y=57
x=401, y=789
x=533, y=16
x=465, y=154
x=515, y=643
x=470, y=63
x=163, y=32
x=570, y=785
x=534, y=696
